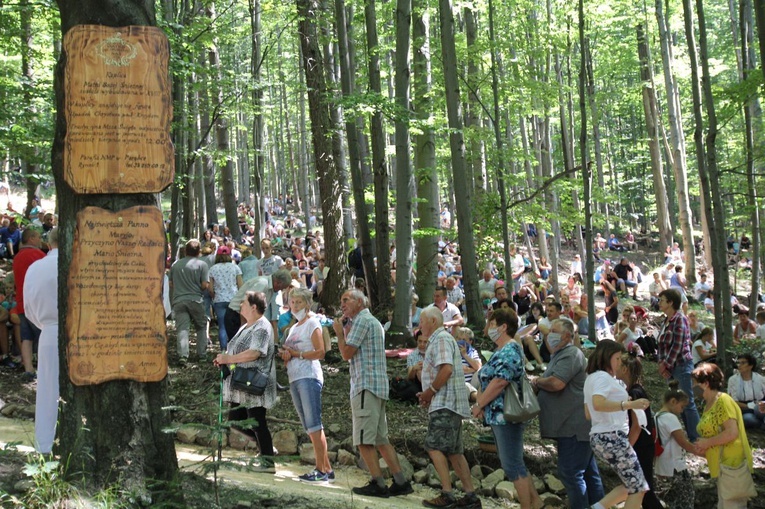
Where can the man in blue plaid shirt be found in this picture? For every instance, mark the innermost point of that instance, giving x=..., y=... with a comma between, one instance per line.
x=361, y=341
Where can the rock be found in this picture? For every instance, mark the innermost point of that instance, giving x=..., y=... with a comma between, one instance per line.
x=332, y=444
x=209, y=438
x=345, y=458
x=238, y=440
x=9, y=409
x=477, y=472
x=332, y=456
x=307, y=454
x=506, y=490
x=406, y=468
x=27, y=411
x=420, y=462
x=420, y=477
x=334, y=428
x=24, y=485
x=286, y=442
x=552, y=500
x=347, y=444
x=187, y=434
x=490, y=481
x=476, y=483
x=539, y=484
x=553, y=484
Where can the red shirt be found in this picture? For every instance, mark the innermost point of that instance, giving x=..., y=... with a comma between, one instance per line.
x=21, y=262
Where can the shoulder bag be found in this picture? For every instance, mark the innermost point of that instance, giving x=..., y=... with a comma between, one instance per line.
x=251, y=380
x=520, y=407
x=735, y=483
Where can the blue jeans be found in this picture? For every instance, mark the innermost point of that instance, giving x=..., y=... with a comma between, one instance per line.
x=306, y=395
x=682, y=373
x=220, y=314
x=509, y=441
x=753, y=419
x=579, y=473
x=207, y=301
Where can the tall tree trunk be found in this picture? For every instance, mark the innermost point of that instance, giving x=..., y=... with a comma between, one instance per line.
x=463, y=192
x=29, y=160
x=326, y=167
x=424, y=156
x=604, y=205
x=379, y=166
x=113, y=431
x=677, y=151
x=257, y=119
x=706, y=158
x=222, y=132
x=404, y=182
x=208, y=165
x=652, y=126
x=473, y=105
x=352, y=133
x=747, y=65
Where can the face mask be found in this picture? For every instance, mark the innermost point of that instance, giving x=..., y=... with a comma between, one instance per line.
x=698, y=391
x=299, y=315
x=553, y=339
x=493, y=334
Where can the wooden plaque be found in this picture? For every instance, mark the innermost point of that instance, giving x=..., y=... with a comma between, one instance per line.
x=118, y=110
x=115, y=319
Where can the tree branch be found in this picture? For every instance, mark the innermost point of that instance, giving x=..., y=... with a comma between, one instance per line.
x=547, y=183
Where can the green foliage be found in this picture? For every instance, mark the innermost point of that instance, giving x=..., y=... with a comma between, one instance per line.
x=751, y=345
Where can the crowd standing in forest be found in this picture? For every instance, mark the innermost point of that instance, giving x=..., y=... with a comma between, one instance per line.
x=608, y=412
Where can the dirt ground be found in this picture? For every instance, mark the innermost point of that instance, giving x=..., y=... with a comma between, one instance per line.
x=199, y=382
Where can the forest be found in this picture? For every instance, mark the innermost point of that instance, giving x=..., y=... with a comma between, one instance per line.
x=576, y=118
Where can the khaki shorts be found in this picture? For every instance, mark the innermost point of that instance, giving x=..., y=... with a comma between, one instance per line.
x=370, y=427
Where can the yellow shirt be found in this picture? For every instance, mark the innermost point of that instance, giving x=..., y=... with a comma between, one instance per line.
x=711, y=424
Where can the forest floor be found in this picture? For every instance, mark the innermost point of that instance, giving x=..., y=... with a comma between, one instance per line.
x=193, y=392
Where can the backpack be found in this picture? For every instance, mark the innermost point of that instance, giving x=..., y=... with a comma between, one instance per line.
x=658, y=447
x=404, y=390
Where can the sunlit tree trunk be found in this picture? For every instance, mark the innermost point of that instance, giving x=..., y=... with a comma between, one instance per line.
x=462, y=190
x=473, y=105
x=256, y=63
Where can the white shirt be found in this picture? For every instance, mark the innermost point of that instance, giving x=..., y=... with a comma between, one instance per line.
x=673, y=457
x=700, y=290
x=576, y=267
x=695, y=354
x=601, y=383
x=449, y=312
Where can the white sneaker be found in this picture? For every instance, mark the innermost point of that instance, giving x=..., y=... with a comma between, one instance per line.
x=529, y=367
x=543, y=367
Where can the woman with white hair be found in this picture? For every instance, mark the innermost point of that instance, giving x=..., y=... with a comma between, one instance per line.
x=301, y=352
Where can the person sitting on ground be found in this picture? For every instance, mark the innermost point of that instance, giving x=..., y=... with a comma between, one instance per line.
x=600, y=241
x=703, y=349
x=759, y=317
x=573, y=288
x=414, y=360
x=745, y=243
x=694, y=324
x=701, y=288
x=744, y=327
x=747, y=388
x=709, y=302
x=545, y=269
x=678, y=282
x=454, y=294
x=523, y=300
x=624, y=272
x=10, y=239
x=527, y=336
x=667, y=272
x=629, y=240
x=654, y=289
x=612, y=302
x=677, y=253
x=576, y=265
x=614, y=244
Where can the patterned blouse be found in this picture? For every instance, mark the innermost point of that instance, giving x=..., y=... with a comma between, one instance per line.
x=224, y=275
x=506, y=364
x=711, y=424
x=260, y=337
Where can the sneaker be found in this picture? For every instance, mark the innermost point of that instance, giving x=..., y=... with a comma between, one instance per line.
x=529, y=367
x=469, y=502
x=183, y=361
x=397, y=489
x=372, y=490
x=28, y=376
x=543, y=367
x=7, y=362
x=313, y=477
x=442, y=500
x=331, y=476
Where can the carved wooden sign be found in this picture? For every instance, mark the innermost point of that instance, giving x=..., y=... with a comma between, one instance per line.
x=118, y=110
x=115, y=318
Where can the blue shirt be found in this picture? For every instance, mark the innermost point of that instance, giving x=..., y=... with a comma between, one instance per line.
x=507, y=364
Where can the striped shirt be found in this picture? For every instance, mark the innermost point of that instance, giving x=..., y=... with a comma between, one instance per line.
x=368, y=367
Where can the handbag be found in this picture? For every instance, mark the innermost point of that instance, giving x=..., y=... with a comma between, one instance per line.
x=736, y=483
x=520, y=407
x=251, y=380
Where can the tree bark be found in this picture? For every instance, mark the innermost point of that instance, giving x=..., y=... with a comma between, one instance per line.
x=424, y=157
x=114, y=431
x=326, y=167
x=379, y=166
x=257, y=120
x=652, y=126
x=462, y=190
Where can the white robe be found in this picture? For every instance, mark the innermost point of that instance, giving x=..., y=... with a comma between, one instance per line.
x=41, y=308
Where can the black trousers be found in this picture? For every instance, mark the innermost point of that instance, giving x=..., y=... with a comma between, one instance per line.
x=258, y=431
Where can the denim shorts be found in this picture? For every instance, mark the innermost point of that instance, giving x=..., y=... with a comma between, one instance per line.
x=306, y=395
x=509, y=440
x=29, y=331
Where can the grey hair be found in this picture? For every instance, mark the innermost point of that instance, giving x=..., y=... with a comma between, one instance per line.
x=53, y=237
x=433, y=312
x=566, y=325
x=283, y=276
x=302, y=294
x=358, y=295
